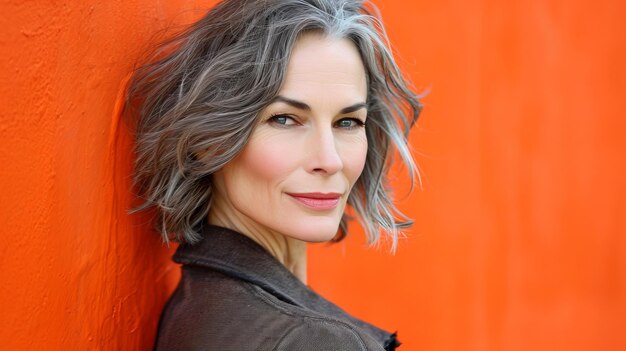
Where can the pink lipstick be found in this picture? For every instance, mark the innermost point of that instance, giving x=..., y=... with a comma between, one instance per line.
x=317, y=201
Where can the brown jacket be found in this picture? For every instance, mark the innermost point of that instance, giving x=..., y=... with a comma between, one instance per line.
x=234, y=295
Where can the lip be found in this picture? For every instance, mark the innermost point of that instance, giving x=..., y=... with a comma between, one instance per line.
x=317, y=201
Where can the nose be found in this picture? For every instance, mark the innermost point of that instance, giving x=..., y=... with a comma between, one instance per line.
x=324, y=156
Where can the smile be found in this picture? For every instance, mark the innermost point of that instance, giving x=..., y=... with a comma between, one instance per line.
x=317, y=201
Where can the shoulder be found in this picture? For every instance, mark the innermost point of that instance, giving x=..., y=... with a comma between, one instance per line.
x=317, y=333
x=310, y=330
x=242, y=316
x=211, y=311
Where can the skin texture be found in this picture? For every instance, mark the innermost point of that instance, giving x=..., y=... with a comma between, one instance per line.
x=295, y=149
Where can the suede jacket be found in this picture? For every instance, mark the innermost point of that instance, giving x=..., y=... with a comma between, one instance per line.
x=234, y=295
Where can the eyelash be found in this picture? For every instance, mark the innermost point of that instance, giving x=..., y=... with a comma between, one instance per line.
x=357, y=122
x=273, y=120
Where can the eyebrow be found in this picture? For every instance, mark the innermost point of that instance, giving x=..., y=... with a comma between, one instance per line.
x=303, y=106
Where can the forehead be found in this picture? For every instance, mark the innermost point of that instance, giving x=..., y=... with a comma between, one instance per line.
x=320, y=62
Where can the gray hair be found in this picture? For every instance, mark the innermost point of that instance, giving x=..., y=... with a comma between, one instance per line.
x=197, y=101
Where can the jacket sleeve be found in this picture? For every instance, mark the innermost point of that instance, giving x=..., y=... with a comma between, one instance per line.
x=319, y=334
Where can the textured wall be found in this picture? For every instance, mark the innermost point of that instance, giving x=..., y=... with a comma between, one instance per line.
x=77, y=272
x=518, y=242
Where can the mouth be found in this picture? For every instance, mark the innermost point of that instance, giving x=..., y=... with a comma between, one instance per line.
x=317, y=201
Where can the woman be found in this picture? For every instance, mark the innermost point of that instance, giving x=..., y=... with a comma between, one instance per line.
x=257, y=126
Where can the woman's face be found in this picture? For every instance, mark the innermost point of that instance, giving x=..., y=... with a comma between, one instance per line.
x=296, y=172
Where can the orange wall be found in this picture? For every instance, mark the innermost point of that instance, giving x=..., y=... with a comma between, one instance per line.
x=519, y=235
x=77, y=272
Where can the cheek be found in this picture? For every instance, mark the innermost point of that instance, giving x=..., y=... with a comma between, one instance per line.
x=263, y=164
x=267, y=159
x=354, y=159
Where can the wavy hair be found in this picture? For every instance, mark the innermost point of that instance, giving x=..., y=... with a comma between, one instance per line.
x=197, y=99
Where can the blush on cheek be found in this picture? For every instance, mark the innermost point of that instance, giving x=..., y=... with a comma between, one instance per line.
x=268, y=160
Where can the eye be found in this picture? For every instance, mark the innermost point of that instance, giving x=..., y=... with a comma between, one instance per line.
x=349, y=123
x=282, y=120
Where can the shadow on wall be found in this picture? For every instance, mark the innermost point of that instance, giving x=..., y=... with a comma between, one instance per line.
x=141, y=272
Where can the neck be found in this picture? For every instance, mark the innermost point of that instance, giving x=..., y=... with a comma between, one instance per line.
x=288, y=251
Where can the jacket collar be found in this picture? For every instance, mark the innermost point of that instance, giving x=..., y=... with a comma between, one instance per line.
x=238, y=256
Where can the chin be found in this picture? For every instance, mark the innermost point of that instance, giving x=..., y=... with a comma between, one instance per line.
x=315, y=230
